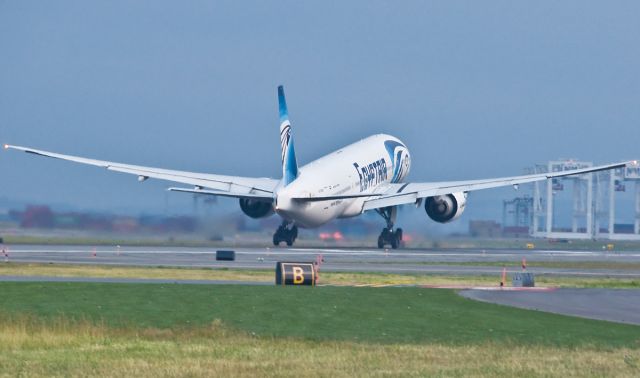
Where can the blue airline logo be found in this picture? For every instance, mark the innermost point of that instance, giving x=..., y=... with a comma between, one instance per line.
x=399, y=159
x=289, y=163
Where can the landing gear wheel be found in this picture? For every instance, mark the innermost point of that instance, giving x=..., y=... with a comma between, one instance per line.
x=285, y=233
x=399, y=236
x=384, y=237
x=394, y=243
x=387, y=236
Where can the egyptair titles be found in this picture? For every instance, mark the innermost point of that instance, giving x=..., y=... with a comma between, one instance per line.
x=371, y=174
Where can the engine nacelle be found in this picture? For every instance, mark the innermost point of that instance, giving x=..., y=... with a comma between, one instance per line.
x=255, y=208
x=445, y=208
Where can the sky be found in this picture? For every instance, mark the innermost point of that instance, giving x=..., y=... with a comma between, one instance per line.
x=475, y=89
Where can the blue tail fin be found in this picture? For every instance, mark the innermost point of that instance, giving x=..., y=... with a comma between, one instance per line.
x=289, y=163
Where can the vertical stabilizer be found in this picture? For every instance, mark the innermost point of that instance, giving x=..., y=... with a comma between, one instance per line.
x=289, y=163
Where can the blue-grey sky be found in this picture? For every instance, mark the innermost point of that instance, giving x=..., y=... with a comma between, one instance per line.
x=475, y=89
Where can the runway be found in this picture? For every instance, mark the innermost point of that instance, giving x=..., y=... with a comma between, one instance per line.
x=403, y=261
x=616, y=305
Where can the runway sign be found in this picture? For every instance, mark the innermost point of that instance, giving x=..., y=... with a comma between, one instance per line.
x=225, y=255
x=523, y=279
x=292, y=273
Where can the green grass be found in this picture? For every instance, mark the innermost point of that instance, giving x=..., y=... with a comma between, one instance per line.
x=61, y=348
x=267, y=275
x=378, y=315
x=150, y=330
x=515, y=263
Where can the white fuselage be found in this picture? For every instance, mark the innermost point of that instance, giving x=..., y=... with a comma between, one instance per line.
x=364, y=167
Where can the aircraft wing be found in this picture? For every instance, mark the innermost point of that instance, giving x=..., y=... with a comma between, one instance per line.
x=406, y=193
x=233, y=186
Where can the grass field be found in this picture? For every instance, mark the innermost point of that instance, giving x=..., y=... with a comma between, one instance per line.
x=29, y=348
x=578, y=264
x=79, y=329
x=63, y=349
x=62, y=270
x=386, y=315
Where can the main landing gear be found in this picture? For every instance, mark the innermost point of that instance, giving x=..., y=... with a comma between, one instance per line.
x=388, y=236
x=287, y=232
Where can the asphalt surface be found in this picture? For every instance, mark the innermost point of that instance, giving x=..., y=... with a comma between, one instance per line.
x=616, y=305
x=335, y=260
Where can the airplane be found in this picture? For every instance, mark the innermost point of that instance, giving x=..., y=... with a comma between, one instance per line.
x=368, y=175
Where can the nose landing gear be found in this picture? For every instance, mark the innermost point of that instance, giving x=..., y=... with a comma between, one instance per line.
x=287, y=232
x=388, y=236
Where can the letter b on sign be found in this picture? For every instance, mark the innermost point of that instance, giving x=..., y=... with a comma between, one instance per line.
x=288, y=273
x=298, y=275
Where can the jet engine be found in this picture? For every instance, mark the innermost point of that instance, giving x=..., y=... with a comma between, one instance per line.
x=445, y=208
x=256, y=208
